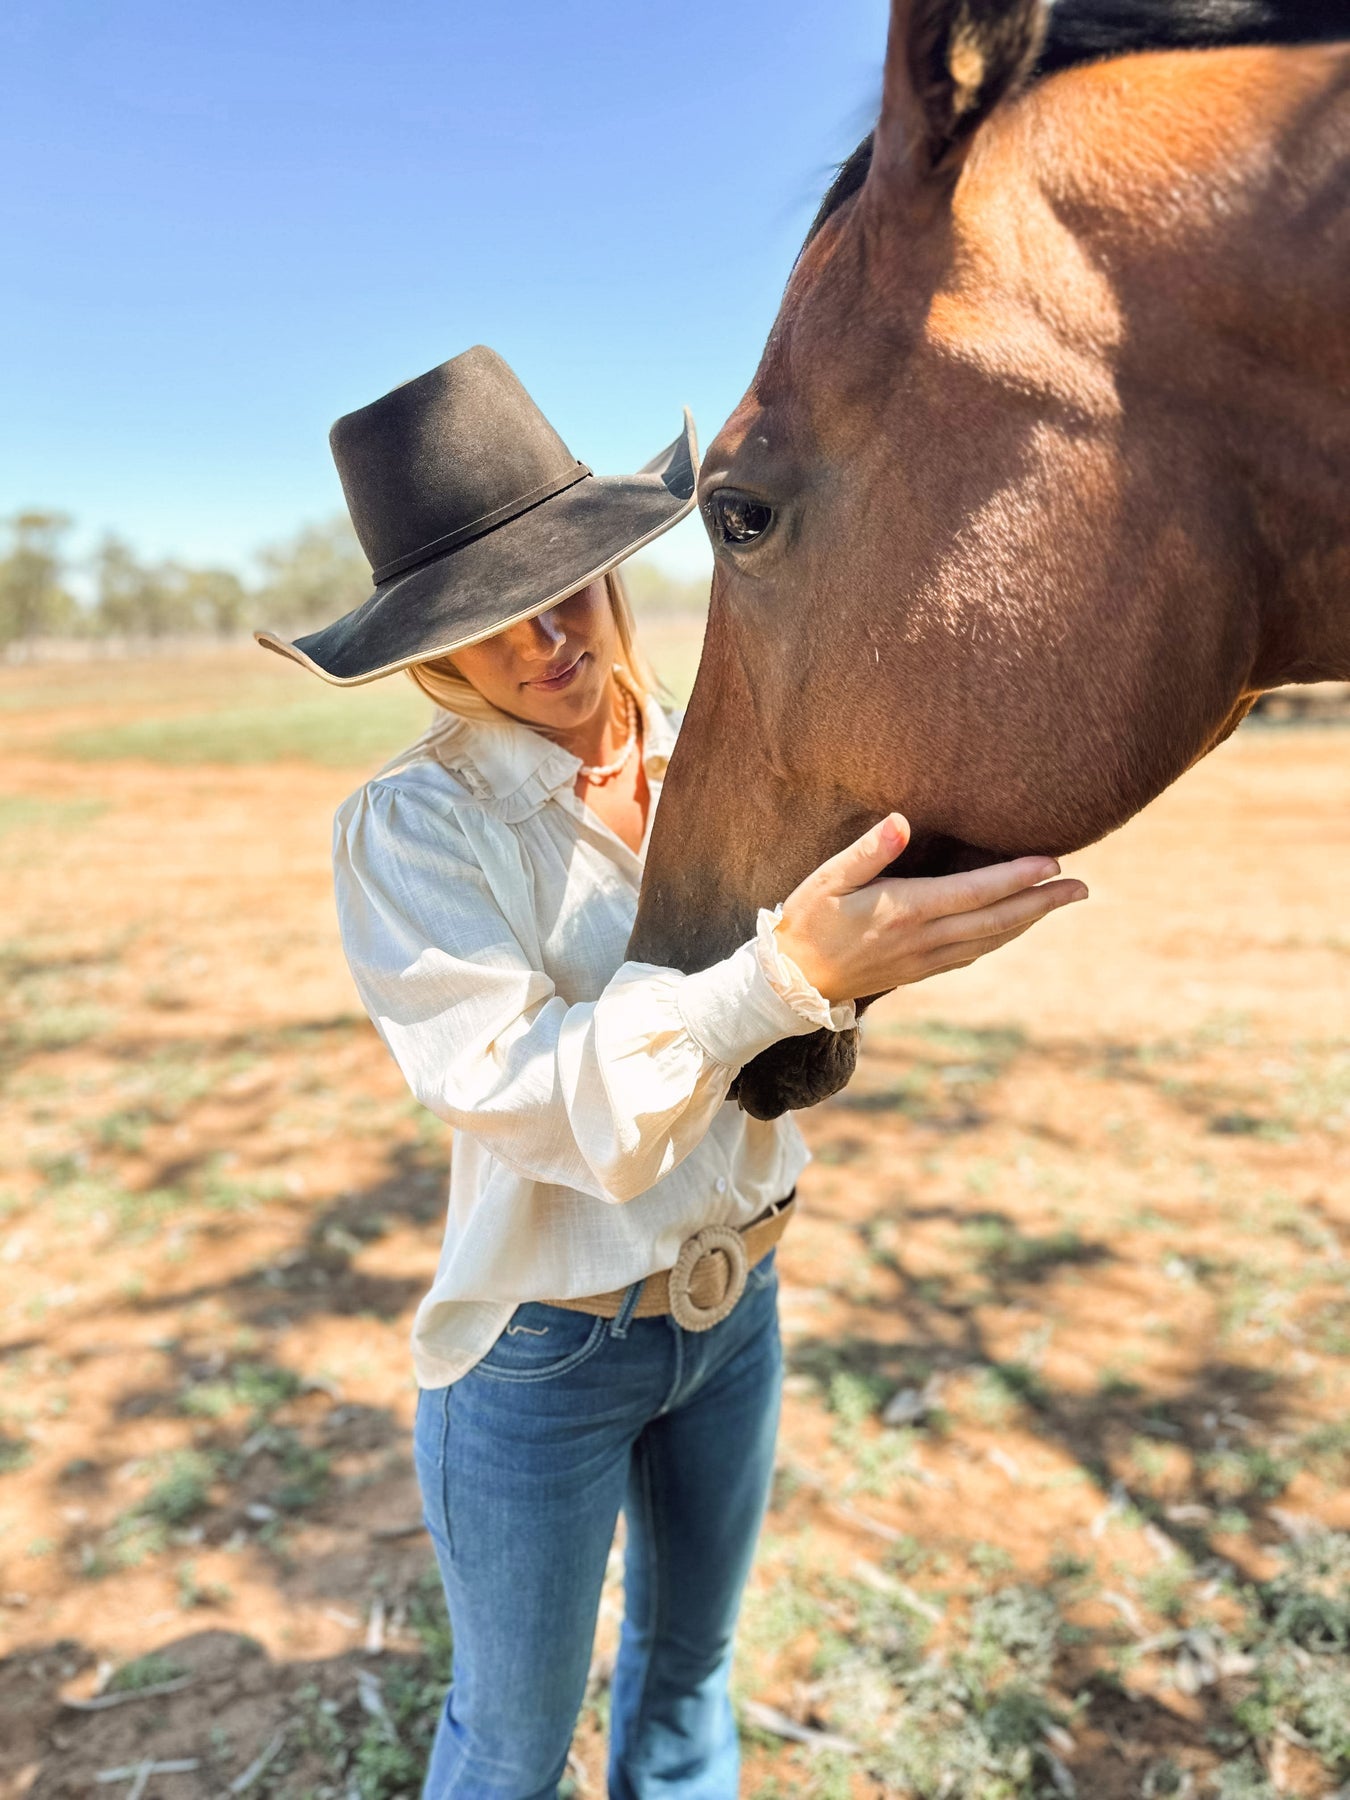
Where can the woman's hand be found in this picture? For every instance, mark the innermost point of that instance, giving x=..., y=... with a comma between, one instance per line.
x=852, y=935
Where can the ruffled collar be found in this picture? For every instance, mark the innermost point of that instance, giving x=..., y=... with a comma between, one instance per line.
x=509, y=769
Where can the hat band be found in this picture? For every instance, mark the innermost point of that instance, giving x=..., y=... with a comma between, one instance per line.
x=477, y=528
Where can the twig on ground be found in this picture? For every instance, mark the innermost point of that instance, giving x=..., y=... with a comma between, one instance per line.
x=1062, y=1776
x=864, y=1521
x=1126, y=1608
x=912, y=1405
x=1295, y=1526
x=1128, y=1753
x=371, y=1695
x=1001, y=1460
x=139, y=1774
x=1119, y=1500
x=1159, y=1543
x=375, y=1628
x=262, y=1761
x=768, y=1718
x=386, y=1534
x=882, y=1583
x=102, y=1702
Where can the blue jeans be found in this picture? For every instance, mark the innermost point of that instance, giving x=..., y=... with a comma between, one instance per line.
x=524, y=1464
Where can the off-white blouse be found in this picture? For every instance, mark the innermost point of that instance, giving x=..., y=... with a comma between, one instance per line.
x=485, y=912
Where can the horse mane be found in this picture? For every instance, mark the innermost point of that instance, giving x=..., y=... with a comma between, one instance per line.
x=1082, y=31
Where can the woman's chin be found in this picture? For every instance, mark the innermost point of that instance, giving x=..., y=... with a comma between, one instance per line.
x=578, y=705
x=570, y=709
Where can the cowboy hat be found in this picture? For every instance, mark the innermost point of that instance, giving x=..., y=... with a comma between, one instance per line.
x=474, y=515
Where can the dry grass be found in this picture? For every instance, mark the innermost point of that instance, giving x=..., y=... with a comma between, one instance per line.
x=1085, y=1210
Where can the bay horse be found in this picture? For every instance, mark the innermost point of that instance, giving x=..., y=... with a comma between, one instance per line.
x=1044, y=475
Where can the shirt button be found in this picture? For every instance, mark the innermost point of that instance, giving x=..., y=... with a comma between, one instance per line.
x=721, y=1184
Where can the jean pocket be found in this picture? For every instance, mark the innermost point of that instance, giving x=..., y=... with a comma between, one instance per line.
x=431, y=1429
x=540, y=1342
x=430, y=1426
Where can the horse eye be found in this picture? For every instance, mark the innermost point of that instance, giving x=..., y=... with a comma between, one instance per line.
x=735, y=518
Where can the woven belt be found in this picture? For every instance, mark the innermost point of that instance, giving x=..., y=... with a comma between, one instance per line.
x=709, y=1274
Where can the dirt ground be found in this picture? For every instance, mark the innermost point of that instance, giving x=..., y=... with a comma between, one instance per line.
x=1080, y=1230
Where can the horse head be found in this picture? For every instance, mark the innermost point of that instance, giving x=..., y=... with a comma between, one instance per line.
x=1040, y=481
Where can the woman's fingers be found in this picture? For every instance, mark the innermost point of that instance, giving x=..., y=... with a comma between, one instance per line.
x=1015, y=912
x=958, y=952
x=941, y=896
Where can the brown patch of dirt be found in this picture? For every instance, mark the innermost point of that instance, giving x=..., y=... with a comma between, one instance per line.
x=1093, y=1192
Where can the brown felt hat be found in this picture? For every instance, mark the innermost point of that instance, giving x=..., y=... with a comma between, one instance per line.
x=474, y=515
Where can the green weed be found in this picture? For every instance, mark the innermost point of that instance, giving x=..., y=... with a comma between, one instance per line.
x=304, y=1473
x=259, y=1387
x=1166, y=1590
x=1004, y=1252
x=990, y=1560
x=59, y=1027
x=193, y=1592
x=1244, y=1779
x=145, y=1672
x=1001, y=1388
x=15, y=1453
x=182, y=1491
x=1250, y=1473
x=854, y=1397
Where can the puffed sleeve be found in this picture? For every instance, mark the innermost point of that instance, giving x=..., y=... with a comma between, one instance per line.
x=604, y=1097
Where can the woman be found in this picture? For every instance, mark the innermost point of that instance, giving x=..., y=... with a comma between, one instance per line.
x=601, y=1333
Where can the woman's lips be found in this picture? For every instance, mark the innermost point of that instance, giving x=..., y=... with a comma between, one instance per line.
x=552, y=684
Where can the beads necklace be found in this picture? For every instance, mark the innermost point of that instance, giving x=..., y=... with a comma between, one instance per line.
x=607, y=771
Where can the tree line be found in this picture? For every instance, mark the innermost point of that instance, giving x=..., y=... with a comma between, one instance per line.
x=114, y=593
x=303, y=582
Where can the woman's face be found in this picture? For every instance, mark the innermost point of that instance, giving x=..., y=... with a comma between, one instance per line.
x=552, y=670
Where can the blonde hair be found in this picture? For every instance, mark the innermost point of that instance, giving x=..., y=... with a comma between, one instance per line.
x=442, y=682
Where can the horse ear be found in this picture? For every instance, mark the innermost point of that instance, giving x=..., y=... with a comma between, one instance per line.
x=948, y=64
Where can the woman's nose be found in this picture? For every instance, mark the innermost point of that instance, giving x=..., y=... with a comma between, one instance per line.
x=542, y=636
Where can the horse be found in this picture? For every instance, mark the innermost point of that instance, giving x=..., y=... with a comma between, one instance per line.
x=1043, y=476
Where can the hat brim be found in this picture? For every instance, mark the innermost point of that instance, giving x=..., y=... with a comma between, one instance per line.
x=509, y=574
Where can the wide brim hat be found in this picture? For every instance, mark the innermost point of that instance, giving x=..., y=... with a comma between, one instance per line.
x=475, y=515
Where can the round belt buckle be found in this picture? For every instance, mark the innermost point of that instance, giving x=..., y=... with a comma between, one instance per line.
x=695, y=1300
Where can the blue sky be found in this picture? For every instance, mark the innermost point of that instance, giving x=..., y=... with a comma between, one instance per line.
x=225, y=223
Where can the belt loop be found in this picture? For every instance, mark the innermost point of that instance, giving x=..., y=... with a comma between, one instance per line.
x=622, y=1319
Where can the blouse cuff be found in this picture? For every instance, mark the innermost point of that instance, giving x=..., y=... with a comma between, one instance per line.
x=787, y=980
x=752, y=999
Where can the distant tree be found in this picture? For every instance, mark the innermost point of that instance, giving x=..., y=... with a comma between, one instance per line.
x=137, y=599
x=214, y=600
x=33, y=599
x=318, y=574
x=312, y=577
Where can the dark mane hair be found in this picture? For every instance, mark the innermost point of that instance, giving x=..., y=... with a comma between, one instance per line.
x=1080, y=31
